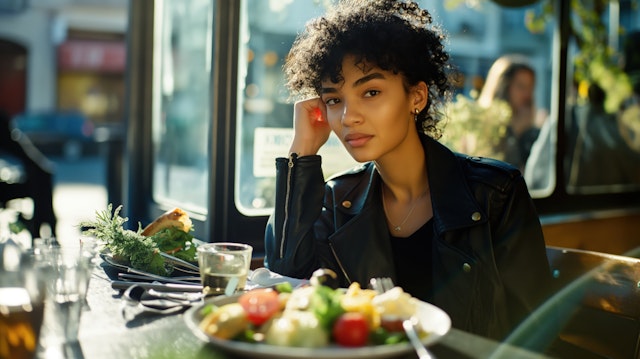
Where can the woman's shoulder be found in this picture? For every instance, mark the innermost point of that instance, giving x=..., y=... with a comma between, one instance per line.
x=489, y=171
x=352, y=172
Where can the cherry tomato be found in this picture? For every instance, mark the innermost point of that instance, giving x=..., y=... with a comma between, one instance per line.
x=351, y=330
x=260, y=304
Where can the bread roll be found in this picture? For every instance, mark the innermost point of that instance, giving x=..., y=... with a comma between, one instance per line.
x=173, y=218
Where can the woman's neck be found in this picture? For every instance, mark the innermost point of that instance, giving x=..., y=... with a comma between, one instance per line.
x=404, y=171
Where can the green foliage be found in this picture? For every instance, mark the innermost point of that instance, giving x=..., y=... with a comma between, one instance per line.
x=476, y=130
x=126, y=246
x=596, y=62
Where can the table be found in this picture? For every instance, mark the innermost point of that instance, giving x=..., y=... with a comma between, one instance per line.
x=105, y=334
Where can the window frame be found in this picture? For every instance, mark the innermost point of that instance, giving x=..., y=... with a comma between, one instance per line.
x=560, y=204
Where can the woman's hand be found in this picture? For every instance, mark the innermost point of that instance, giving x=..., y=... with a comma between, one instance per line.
x=311, y=129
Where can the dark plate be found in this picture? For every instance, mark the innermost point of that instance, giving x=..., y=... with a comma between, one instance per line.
x=112, y=268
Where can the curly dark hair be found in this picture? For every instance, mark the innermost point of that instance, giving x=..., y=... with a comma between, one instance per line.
x=394, y=35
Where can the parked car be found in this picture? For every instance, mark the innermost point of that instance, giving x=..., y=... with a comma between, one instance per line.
x=66, y=133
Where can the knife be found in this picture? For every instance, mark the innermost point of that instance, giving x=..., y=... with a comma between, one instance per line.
x=168, y=287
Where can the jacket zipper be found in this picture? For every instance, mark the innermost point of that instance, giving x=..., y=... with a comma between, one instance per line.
x=290, y=165
x=335, y=255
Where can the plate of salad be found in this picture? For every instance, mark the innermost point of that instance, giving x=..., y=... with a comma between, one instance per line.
x=315, y=321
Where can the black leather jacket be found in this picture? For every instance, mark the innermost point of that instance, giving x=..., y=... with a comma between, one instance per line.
x=489, y=263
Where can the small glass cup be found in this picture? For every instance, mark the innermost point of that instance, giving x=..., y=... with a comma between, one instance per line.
x=67, y=270
x=21, y=303
x=224, y=267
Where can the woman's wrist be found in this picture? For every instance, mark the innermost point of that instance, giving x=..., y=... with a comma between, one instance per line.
x=303, y=149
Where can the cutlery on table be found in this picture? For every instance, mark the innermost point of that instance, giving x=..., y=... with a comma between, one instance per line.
x=186, y=298
x=181, y=264
x=178, y=264
x=384, y=284
x=137, y=298
x=161, y=287
x=146, y=278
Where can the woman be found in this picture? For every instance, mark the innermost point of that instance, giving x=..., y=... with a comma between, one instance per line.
x=456, y=231
x=512, y=79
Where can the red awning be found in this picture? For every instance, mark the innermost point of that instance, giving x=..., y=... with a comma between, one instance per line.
x=103, y=56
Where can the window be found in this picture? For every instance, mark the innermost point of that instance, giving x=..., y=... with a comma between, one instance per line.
x=264, y=126
x=181, y=113
x=265, y=117
x=603, y=102
x=504, y=83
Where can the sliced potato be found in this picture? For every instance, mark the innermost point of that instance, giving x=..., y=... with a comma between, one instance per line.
x=225, y=322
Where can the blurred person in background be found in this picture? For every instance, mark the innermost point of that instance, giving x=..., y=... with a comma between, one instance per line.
x=600, y=155
x=512, y=79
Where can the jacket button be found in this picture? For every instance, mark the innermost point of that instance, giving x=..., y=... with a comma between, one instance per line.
x=466, y=267
x=346, y=204
x=476, y=216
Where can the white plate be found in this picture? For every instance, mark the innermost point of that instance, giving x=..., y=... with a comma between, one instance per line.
x=433, y=319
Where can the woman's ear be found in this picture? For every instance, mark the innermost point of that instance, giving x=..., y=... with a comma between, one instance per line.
x=420, y=94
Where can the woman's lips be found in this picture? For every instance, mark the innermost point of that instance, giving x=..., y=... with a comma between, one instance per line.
x=357, y=139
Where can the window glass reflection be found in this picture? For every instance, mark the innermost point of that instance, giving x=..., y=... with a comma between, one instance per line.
x=265, y=117
x=505, y=84
x=603, y=111
x=180, y=126
x=480, y=32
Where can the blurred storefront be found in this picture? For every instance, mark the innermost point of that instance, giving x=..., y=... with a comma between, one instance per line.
x=61, y=56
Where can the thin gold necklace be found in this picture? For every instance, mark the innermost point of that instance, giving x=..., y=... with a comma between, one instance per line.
x=398, y=228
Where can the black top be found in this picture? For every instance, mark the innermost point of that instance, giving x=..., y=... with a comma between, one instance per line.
x=412, y=257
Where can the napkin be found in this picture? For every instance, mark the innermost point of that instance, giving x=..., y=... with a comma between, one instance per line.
x=263, y=277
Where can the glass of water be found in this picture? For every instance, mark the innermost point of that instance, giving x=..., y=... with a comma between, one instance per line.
x=67, y=270
x=224, y=267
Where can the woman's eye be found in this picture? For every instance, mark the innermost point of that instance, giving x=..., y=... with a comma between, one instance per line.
x=371, y=93
x=331, y=101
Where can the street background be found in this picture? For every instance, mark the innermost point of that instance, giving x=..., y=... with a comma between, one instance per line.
x=79, y=191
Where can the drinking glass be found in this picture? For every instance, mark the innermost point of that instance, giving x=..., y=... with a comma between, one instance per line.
x=224, y=267
x=21, y=303
x=67, y=270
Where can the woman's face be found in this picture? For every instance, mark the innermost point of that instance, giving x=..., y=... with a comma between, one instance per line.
x=370, y=110
x=521, y=90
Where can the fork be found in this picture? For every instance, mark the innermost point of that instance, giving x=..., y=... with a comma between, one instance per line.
x=180, y=264
x=384, y=284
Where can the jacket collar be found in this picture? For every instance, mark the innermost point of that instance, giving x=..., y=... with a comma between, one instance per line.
x=454, y=205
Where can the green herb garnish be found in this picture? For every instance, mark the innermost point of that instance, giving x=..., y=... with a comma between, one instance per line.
x=131, y=247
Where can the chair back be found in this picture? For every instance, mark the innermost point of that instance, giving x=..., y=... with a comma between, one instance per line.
x=599, y=299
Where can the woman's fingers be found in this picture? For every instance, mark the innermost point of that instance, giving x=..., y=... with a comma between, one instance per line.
x=311, y=128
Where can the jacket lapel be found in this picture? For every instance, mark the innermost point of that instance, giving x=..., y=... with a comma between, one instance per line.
x=453, y=203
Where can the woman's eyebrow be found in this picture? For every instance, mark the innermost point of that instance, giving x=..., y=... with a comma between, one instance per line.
x=358, y=82
x=325, y=90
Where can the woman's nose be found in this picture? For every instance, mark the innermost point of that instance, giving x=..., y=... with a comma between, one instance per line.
x=351, y=116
